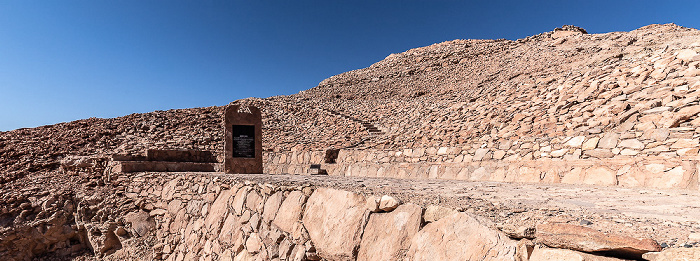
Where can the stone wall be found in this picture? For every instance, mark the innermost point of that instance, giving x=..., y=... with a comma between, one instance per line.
x=205, y=216
x=489, y=164
x=212, y=218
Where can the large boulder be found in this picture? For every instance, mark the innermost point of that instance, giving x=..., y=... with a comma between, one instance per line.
x=388, y=235
x=460, y=237
x=335, y=220
x=561, y=235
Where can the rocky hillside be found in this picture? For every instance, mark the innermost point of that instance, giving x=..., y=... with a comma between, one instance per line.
x=556, y=84
x=457, y=93
x=526, y=98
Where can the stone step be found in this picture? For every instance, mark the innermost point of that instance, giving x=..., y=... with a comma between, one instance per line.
x=165, y=166
x=373, y=130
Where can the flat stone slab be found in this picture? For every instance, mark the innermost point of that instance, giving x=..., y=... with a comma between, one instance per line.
x=586, y=239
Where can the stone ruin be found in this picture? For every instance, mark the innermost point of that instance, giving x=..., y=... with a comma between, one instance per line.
x=560, y=146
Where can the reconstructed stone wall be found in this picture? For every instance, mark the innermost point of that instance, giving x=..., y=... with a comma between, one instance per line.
x=210, y=216
x=486, y=164
x=206, y=216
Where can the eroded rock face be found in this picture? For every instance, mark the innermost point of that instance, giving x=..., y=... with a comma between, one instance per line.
x=586, y=239
x=440, y=239
x=335, y=220
x=387, y=236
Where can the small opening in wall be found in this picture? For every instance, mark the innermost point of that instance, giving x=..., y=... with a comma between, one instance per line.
x=331, y=155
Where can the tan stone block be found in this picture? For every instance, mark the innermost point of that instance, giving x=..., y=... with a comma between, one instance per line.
x=290, y=211
x=687, y=152
x=676, y=177
x=559, y=153
x=573, y=177
x=388, y=203
x=242, y=256
x=335, y=220
x=590, y=144
x=253, y=244
x=272, y=206
x=388, y=235
x=527, y=174
x=285, y=249
x=169, y=189
x=685, y=143
x=551, y=176
x=481, y=173
x=655, y=168
x=239, y=200
x=498, y=155
x=575, y=142
x=180, y=221
x=460, y=237
x=645, y=126
x=226, y=255
x=631, y=144
x=218, y=209
x=608, y=141
x=254, y=201
x=682, y=115
x=230, y=230
x=497, y=175
x=629, y=152
x=600, y=176
x=481, y=154
x=419, y=152
x=634, y=177
x=174, y=206
x=434, y=213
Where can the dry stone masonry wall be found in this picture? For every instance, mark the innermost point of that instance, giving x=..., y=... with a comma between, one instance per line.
x=212, y=217
x=622, y=111
x=202, y=216
x=451, y=163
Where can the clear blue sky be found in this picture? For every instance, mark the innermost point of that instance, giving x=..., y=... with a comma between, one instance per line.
x=67, y=60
